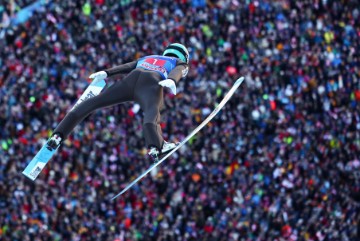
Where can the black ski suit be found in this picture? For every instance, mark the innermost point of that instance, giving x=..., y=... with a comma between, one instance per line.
x=140, y=85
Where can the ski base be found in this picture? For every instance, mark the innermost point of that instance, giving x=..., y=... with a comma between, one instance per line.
x=38, y=163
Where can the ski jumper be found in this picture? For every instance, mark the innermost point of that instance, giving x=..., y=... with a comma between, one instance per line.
x=140, y=85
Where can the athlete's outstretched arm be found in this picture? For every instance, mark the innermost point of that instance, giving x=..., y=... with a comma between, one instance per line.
x=121, y=69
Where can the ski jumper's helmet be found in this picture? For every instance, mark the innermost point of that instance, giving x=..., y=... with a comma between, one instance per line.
x=177, y=50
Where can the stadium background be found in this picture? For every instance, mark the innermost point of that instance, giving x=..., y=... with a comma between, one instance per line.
x=280, y=162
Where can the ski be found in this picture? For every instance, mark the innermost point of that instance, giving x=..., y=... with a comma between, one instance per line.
x=37, y=164
x=187, y=138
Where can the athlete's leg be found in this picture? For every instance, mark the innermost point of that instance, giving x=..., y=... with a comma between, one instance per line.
x=149, y=94
x=119, y=92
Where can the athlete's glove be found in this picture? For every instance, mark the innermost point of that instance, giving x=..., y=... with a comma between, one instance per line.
x=169, y=83
x=98, y=75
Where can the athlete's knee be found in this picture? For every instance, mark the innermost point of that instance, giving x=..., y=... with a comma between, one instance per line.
x=154, y=119
x=152, y=115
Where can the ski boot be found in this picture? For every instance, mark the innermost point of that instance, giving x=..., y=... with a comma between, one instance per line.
x=54, y=142
x=155, y=153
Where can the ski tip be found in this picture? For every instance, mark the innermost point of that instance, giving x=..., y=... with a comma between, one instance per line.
x=113, y=198
x=240, y=80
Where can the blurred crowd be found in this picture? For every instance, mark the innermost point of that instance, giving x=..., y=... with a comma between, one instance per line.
x=279, y=162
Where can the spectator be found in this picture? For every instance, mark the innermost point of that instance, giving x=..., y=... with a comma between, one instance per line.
x=280, y=162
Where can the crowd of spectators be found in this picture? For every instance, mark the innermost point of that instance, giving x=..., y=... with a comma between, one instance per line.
x=279, y=162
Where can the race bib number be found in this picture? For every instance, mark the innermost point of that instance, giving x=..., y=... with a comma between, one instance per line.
x=157, y=62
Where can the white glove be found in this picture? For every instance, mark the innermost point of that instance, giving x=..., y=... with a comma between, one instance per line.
x=98, y=75
x=170, y=84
